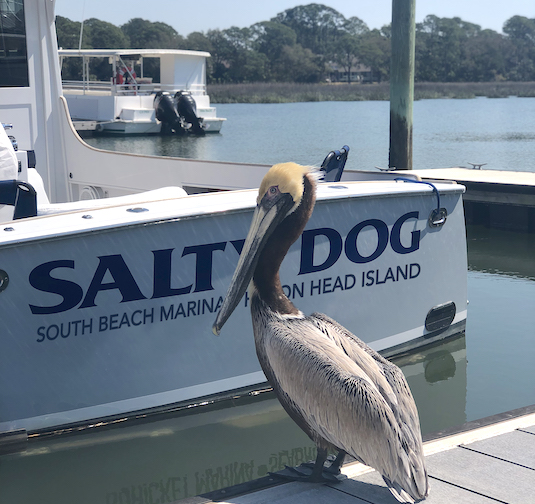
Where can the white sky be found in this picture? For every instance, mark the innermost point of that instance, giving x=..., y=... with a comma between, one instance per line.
x=186, y=16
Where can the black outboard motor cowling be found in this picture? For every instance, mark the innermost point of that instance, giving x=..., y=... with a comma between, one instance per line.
x=333, y=164
x=187, y=108
x=166, y=113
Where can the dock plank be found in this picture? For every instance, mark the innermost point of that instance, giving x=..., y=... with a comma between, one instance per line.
x=516, y=447
x=483, y=474
x=297, y=493
x=371, y=487
x=528, y=429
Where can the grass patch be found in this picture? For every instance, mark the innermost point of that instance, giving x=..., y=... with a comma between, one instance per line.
x=283, y=92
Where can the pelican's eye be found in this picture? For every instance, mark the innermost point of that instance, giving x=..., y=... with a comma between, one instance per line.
x=272, y=191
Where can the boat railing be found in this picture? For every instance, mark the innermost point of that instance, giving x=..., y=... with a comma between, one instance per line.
x=142, y=86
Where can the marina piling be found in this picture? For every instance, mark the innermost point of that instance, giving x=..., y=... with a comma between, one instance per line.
x=402, y=83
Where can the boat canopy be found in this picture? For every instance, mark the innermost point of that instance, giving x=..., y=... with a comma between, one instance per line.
x=179, y=69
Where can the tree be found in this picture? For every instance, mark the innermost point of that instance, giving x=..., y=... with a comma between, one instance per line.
x=68, y=33
x=520, y=32
x=145, y=34
x=439, y=47
x=484, y=58
x=271, y=39
x=103, y=35
x=355, y=26
x=297, y=43
x=299, y=64
x=198, y=41
x=374, y=51
x=346, y=53
x=234, y=58
x=315, y=25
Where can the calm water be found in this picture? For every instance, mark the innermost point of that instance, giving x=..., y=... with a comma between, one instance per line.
x=499, y=132
x=488, y=371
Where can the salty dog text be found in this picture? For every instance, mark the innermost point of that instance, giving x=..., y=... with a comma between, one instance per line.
x=44, y=277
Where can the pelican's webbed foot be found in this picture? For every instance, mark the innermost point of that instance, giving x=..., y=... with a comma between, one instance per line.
x=315, y=472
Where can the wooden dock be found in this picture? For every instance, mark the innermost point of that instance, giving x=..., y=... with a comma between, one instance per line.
x=482, y=465
x=502, y=199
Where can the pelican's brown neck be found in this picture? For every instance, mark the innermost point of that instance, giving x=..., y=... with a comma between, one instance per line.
x=266, y=275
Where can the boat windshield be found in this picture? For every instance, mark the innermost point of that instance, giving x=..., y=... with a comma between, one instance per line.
x=13, y=54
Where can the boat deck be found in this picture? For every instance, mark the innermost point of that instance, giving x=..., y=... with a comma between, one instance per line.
x=490, y=464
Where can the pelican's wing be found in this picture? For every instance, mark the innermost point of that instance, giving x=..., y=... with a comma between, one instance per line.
x=404, y=407
x=338, y=399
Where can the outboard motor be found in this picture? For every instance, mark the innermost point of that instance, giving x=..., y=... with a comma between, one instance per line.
x=187, y=108
x=166, y=113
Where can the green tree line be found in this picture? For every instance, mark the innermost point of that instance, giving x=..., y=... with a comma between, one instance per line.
x=315, y=43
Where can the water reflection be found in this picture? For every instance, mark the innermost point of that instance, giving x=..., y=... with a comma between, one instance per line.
x=501, y=252
x=500, y=343
x=158, y=462
x=174, y=458
x=190, y=147
x=437, y=378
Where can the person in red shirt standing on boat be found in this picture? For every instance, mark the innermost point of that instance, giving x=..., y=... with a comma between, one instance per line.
x=126, y=75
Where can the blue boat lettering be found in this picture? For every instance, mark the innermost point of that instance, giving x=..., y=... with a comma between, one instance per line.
x=378, y=277
x=350, y=247
x=65, y=329
x=42, y=278
x=113, y=273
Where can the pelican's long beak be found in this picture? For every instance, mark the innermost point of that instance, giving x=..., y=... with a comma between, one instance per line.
x=267, y=215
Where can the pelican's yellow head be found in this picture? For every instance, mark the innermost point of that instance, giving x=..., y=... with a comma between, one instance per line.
x=285, y=197
x=288, y=177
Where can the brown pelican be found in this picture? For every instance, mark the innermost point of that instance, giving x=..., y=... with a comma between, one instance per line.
x=343, y=394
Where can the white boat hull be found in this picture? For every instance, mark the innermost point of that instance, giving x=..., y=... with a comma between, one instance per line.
x=150, y=127
x=106, y=306
x=129, y=127
x=112, y=314
x=213, y=125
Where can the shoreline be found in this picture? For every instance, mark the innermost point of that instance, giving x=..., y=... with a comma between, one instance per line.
x=286, y=92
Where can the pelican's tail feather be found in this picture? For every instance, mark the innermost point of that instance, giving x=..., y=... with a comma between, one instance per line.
x=398, y=492
x=416, y=495
x=420, y=481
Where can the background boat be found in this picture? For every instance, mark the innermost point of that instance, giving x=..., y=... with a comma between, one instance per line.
x=125, y=104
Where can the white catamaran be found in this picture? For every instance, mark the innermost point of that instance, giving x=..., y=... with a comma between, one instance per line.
x=113, y=266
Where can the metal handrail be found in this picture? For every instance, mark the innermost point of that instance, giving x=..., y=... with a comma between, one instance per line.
x=133, y=88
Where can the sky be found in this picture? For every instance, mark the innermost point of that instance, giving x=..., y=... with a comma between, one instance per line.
x=203, y=15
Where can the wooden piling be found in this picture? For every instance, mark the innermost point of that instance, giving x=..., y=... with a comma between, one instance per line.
x=402, y=83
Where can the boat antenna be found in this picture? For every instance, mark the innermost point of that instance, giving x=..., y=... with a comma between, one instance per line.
x=82, y=27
